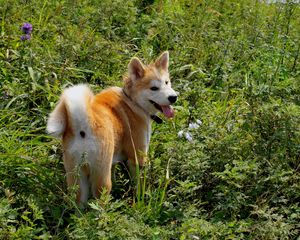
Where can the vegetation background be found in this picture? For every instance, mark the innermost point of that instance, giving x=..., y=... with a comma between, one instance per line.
x=228, y=165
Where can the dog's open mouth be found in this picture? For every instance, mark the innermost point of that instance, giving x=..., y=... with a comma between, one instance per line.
x=167, y=110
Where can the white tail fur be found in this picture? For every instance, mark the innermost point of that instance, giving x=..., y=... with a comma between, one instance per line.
x=72, y=106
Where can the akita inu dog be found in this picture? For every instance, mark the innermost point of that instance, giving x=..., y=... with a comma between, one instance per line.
x=112, y=126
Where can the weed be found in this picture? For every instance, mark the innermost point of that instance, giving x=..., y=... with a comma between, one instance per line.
x=232, y=175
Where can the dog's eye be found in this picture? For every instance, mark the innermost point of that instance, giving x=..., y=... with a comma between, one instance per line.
x=167, y=82
x=154, y=88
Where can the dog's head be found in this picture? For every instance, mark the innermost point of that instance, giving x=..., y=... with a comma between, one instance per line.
x=150, y=86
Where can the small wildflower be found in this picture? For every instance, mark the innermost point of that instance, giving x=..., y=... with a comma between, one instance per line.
x=188, y=136
x=229, y=126
x=26, y=28
x=193, y=126
x=199, y=121
x=25, y=37
x=180, y=134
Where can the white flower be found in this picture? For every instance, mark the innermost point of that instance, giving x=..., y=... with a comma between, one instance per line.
x=193, y=126
x=188, y=136
x=180, y=134
x=199, y=121
x=229, y=126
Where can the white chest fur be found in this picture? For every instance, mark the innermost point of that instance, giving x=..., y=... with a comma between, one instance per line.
x=118, y=157
x=148, y=136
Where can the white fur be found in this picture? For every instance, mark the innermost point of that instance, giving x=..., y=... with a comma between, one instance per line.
x=148, y=136
x=84, y=150
x=74, y=100
x=118, y=157
x=84, y=187
x=160, y=96
x=56, y=123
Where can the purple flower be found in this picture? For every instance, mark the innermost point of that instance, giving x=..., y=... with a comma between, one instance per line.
x=26, y=28
x=25, y=37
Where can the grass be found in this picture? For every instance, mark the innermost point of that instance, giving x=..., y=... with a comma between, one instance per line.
x=236, y=67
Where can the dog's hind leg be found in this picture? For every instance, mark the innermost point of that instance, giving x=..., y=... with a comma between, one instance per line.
x=101, y=172
x=77, y=178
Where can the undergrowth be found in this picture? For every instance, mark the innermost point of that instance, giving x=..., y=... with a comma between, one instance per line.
x=226, y=167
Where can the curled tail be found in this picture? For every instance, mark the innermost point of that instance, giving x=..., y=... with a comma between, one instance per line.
x=71, y=111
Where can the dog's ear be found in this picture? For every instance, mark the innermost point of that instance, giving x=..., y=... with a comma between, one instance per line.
x=162, y=62
x=136, y=69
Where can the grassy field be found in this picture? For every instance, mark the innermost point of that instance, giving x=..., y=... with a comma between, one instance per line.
x=226, y=167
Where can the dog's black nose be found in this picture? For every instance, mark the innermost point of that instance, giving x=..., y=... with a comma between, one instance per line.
x=172, y=99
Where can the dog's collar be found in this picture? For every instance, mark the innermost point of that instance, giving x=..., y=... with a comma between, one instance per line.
x=125, y=93
x=154, y=117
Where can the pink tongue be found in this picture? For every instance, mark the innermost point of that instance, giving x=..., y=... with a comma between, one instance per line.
x=168, y=111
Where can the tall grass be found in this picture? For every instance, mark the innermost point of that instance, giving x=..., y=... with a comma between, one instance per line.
x=236, y=67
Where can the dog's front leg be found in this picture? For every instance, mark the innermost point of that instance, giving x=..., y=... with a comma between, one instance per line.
x=136, y=164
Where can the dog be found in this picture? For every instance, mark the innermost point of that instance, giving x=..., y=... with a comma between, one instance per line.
x=112, y=126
